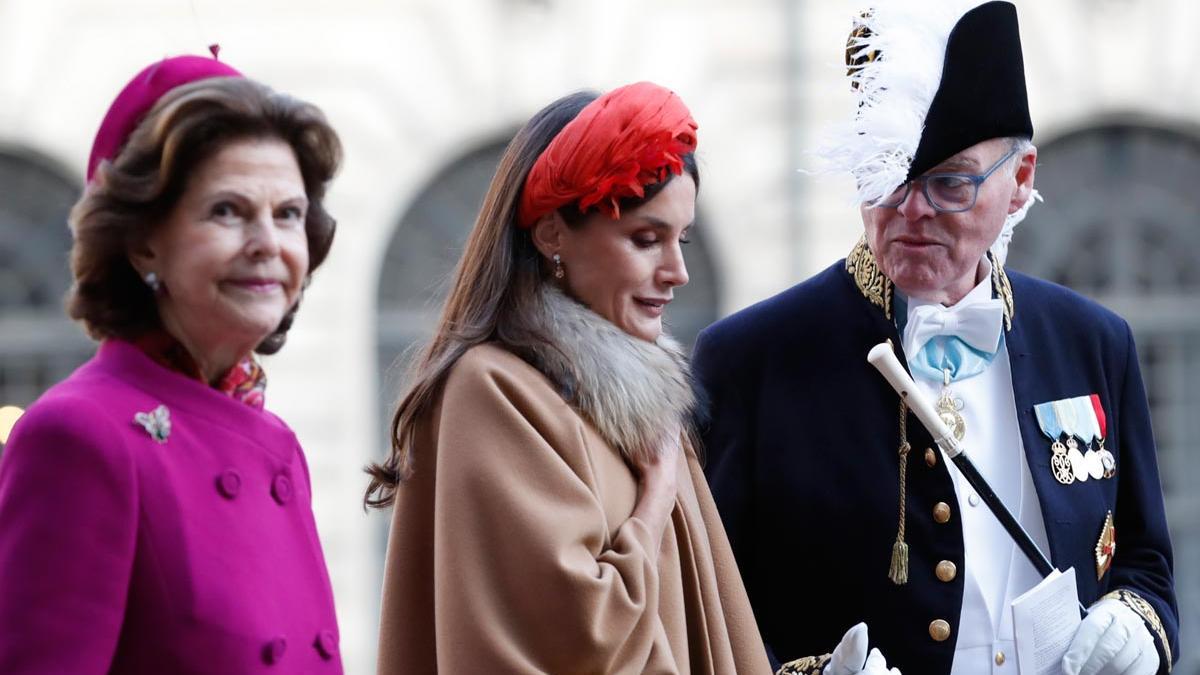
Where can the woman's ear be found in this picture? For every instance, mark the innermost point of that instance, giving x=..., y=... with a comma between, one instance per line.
x=548, y=233
x=141, y=257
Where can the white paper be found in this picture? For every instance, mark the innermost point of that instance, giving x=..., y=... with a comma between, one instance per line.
x=1044, y=620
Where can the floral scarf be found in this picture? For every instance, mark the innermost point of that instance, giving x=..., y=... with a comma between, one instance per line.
x=245, y=381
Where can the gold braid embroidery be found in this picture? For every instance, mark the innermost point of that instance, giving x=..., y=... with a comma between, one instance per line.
x=809, y=665
x=871, y=281
x=1003, y=289
x=1146, y=611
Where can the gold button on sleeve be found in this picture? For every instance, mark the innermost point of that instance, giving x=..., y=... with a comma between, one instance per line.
x=946, y=571
x=1000, y=658
x=941, y=512
x=939, y=630
x=930, y=458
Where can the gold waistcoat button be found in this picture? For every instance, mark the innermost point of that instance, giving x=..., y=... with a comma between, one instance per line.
x=999, y=658
x=946, y=571
x=941, y=512
x=930, y=458
x=939, y=630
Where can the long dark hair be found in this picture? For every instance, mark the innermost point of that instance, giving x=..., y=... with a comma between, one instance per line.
x=498, y=275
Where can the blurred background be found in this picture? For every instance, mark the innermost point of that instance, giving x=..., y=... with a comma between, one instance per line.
x=425, y=95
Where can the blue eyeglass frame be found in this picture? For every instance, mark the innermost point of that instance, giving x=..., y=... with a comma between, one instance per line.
x=975, y=179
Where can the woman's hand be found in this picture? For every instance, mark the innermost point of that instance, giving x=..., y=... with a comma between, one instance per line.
x=658, y=474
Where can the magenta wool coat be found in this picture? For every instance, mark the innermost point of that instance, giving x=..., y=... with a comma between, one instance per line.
x=121, y=554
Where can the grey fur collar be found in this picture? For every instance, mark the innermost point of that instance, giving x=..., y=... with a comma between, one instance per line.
x=632, y=391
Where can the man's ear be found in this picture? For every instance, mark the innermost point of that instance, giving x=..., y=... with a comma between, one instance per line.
x=1026, y=168
x=548, y=233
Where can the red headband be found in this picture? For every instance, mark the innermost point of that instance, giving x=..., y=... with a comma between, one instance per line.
x=618, y=144
x=140, y=95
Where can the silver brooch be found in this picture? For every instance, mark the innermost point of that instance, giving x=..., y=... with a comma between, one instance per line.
x=157, y=423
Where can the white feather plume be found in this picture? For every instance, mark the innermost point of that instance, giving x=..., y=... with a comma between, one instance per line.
x=892, y=93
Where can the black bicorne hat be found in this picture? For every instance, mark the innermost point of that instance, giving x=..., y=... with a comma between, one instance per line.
x=930, y=79
x=982, y=91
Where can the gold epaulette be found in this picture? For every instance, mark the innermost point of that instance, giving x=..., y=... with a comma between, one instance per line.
x=1146, y=611
x=809, y=665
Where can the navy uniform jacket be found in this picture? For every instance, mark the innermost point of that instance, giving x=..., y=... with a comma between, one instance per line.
x=802, y=459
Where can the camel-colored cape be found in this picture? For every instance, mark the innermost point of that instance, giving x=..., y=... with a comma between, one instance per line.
x=513, y=551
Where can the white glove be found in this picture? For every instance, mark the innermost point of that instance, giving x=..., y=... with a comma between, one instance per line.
x=850, y=657
x=1112, y=640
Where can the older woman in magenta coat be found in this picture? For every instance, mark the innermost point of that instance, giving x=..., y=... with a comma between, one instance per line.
x=155, y=518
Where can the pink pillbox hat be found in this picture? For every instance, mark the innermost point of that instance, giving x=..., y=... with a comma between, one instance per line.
x=140, y=95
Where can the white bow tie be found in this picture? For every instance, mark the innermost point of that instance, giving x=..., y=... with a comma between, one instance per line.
x=978, y=324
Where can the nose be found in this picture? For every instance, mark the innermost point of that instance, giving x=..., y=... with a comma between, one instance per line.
x=915, y=205
x=672, y=271
x=262, y=240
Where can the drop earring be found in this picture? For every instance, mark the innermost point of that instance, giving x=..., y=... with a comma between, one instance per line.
x=152, y=281
x=558, y=267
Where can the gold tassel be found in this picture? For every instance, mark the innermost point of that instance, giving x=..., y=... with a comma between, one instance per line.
x=898, y=570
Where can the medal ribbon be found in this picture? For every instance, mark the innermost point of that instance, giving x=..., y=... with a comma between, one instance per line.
x=1067, y=416
x=1100, y=420
x=1047, y=418
x=1085, y=415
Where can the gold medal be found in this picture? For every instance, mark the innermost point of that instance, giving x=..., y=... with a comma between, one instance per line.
x=1060, y=466
x=948, y=409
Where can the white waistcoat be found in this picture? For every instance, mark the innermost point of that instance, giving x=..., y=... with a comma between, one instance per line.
x=995, y=570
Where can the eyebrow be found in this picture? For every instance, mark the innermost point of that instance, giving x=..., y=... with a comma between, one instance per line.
x=660, y=224
x=234, y=195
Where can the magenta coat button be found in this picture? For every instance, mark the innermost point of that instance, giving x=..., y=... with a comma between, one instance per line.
x=272, y=652
x=229, y=483
x=326, y=644
x=281, y=489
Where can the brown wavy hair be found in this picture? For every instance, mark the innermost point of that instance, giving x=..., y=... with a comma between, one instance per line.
x=132, y=194
x=499, y=273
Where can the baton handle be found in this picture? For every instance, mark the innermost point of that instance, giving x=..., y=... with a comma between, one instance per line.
x=884, y=359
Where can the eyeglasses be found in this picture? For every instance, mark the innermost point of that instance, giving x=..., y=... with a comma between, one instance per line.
x=945, y=192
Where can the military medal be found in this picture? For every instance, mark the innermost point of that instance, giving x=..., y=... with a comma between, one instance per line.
x=157, y=423
x=1107, y=460
x=948, y=408
x=1068, y=418
x=1106, y=548
x=1089, y=431
x=1060, y=465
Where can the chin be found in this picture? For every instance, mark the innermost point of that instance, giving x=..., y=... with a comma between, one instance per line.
x=255, y=328
x=647, y=332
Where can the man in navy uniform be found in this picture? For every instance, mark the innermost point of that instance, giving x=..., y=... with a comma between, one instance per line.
x=840, y=508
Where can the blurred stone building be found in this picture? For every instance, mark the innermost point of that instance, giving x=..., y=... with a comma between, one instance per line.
x=425, y=95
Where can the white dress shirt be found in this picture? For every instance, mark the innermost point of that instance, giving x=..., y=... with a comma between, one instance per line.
x=995, y=570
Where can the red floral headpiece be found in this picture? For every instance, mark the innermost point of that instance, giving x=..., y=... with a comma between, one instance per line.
x=618, y=144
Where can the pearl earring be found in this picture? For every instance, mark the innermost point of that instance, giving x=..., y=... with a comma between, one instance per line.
x=152, y=281
x=558, y=267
